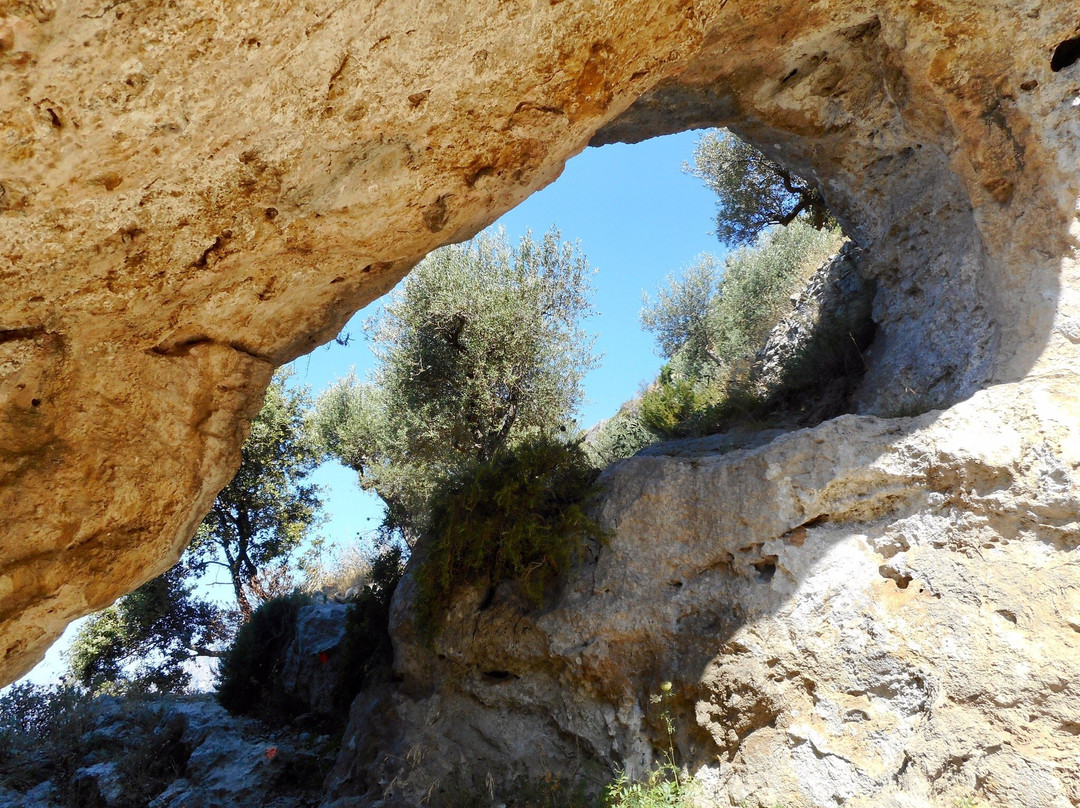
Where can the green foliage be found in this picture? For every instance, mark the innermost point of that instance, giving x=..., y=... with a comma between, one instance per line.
x=250, y=669
x=754, y=192
x=157, y=757
x=48, y=733
x=516, y=517
x=671, y=403
x=144, y=639
x=479, y=348
x=679, y=317
x=366, y=651
x=260, y=519
x=254, y=529
x=969, y=801
x=758, y=282
x=709, y=381
x=622, y=435
x=42, y=733
x=665, y=787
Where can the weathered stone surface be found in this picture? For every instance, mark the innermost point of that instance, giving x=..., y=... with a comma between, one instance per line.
x=833, y=307
x=194, y=193
x=312, y=664
x=180, y=751
x=874, y=612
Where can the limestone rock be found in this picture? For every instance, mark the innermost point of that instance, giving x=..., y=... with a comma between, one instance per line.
x=833, y=309
x=192, y=194
x=312, y=665
x=199, y=756
x=874, y=612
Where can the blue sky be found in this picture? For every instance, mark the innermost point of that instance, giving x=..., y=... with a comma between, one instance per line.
x=638, y=218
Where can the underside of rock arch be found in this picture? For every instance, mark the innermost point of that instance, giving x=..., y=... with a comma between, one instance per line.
x=193, y=193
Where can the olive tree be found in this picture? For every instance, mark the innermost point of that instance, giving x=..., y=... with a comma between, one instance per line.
x=753, y=190
x=707, y=317
x=481, y=346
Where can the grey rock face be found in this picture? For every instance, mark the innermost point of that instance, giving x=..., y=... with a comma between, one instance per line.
x=213, y=759
x=833, y=310
x=40, y=796
x=312, y=665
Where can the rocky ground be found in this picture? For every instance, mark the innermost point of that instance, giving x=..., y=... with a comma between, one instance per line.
x=212, y=760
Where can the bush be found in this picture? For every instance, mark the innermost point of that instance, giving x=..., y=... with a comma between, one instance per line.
x=665, y=787
x=518, y=517
x=622, y=435
x=49, y=733
x=669, y=406
x=41, y=735
x=251, y=668
x=154, y=761
x=367, y=651
x=349, y=570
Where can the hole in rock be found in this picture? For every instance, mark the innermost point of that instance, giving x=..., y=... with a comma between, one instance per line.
x=766, y=568
x=1008, y=615
x=1065, y=54
x=901, y=579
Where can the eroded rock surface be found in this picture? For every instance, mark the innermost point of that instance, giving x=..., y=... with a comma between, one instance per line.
x=192, y=193
x=874, y=612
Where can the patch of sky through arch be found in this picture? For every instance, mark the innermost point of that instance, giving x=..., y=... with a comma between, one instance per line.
x=638, y=217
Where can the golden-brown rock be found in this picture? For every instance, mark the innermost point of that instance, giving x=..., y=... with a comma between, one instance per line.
x=193, y=192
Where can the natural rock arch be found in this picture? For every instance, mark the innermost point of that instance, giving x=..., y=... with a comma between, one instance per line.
x=191, y=196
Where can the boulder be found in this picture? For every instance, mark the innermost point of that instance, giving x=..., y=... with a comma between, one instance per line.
x=312, y=669
x=873, y=612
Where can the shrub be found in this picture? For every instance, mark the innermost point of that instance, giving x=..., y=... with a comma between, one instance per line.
x=42, y=733
x=156, y=758
x=669, y=406
x=250, y=669
x=518, y=517
x=622, y=435
x=665, y=787
x=349, y=569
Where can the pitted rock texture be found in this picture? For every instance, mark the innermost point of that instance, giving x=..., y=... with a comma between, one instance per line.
x=192, y=193
x=875, y=613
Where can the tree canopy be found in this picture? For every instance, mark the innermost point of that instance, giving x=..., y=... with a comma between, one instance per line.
x=481, y=346
x=262, y=517
x=679, y=316
x=148, y=636
x=705, y=316
x=753, y=190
